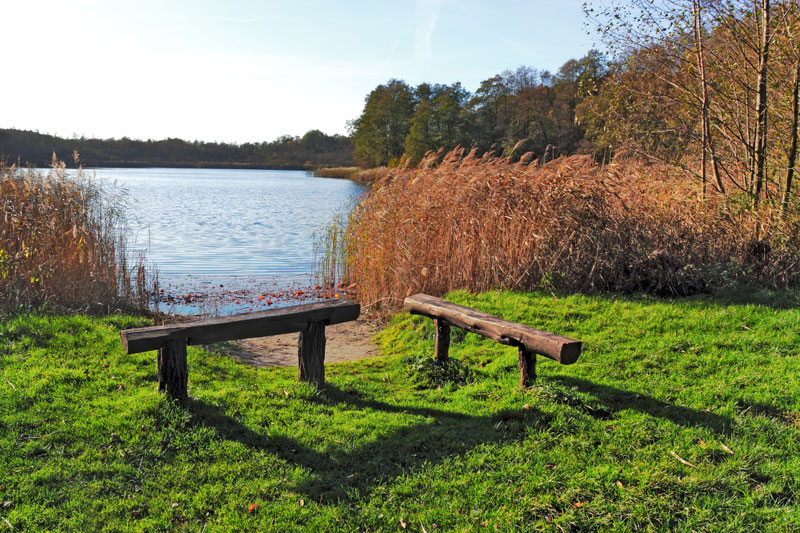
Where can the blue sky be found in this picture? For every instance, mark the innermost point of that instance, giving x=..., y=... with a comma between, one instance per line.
x=240, y=71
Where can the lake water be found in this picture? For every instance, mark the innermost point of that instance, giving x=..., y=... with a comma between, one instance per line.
x=229, y=234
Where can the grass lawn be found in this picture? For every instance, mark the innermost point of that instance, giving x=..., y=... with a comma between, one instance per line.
x=679, y=415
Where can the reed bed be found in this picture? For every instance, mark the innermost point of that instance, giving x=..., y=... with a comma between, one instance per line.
x=62, y=244
x=480, y=223
x=357, y=174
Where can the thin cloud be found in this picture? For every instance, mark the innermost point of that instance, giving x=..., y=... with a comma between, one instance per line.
x=427, y=14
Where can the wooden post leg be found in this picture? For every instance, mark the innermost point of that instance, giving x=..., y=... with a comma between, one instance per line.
x=311, y=354
x=173, y=374
x=527, y=367
x=442, y=339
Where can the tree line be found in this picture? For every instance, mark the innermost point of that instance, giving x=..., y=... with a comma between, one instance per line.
x=313, y=150
x=708, y=85
x=711, y=86
x=524, y=110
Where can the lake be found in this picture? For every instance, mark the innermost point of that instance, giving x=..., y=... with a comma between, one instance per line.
x=222, y=237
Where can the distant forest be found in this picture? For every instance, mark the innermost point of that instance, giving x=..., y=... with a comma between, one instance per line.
x=512, y=113
x=315, y=149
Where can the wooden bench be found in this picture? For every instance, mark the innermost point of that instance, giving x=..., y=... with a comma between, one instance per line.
x=529, y=340
x=171, y=341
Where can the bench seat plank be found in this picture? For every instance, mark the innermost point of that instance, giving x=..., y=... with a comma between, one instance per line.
x=562, y=349
x=242, y=326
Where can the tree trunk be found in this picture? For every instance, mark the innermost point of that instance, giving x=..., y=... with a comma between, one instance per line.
x=707, y=141
x=311, y=354
x=761, y=104
x=793, y=147
x=173, y=374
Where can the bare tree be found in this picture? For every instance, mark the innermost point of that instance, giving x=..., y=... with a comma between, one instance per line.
x=760, y=145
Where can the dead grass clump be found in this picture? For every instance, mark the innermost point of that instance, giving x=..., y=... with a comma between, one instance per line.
x=488, y=223
x=62, y=244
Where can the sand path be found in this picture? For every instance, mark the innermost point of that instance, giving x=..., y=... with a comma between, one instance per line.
x=344, y=342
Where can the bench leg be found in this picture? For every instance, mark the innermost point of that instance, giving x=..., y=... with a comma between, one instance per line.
x=527, y=367
x=173, y=374
x=311, y=354
x=442, y=339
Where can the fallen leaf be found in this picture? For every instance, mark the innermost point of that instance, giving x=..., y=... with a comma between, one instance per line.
x=174, y=505
x=403, y=523
x=681, y=459
x=7, y=504
x=526, y=406
x=252, y=508
x=726, y=448
x=578, y=505
x=619, y=484
x=702, y=443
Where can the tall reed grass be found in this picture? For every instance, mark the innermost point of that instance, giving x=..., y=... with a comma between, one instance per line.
x=460, y=221
x=356, y=174
x=62, y=244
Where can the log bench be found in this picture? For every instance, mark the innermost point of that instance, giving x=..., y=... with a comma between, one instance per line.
x=171, y=340
x=530, y=341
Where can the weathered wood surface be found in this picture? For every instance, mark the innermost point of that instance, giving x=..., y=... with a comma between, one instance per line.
x=442, y=339
x=527, y=367
x=562, y=349
x=173, y=373
x=311, y=354
x=242, y=326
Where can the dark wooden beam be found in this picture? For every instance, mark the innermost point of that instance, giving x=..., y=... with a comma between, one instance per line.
x=243, y=326
x=527, y=367
x=173, y=372
x=442, y=339
x=311, y=354
x=562, y=349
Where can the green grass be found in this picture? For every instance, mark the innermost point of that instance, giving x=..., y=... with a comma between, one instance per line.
x=86, y=443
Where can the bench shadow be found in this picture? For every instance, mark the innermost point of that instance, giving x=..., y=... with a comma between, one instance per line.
x=346, y=472
x=615, y=400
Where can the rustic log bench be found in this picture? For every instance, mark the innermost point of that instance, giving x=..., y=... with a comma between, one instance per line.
x=171, y=340
x=529, y=340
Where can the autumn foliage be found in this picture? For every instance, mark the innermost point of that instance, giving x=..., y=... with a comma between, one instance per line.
x=484, y=223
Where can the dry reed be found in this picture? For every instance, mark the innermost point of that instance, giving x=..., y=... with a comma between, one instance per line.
x=460, y=221
x=62, y=244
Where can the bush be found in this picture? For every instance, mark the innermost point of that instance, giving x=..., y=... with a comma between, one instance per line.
x=426, y=372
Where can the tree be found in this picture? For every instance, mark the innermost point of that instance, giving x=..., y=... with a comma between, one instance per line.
x=440, y=120
x=379, y=133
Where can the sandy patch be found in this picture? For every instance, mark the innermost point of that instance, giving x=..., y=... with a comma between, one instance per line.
x=343, y=342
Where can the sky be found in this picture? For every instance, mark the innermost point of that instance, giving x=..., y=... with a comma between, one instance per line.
x=251, y=71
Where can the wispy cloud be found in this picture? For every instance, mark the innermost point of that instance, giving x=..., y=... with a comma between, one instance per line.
x=426, y=16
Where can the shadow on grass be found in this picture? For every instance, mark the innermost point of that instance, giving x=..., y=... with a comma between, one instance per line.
x=348, y=473
x=615, y=400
